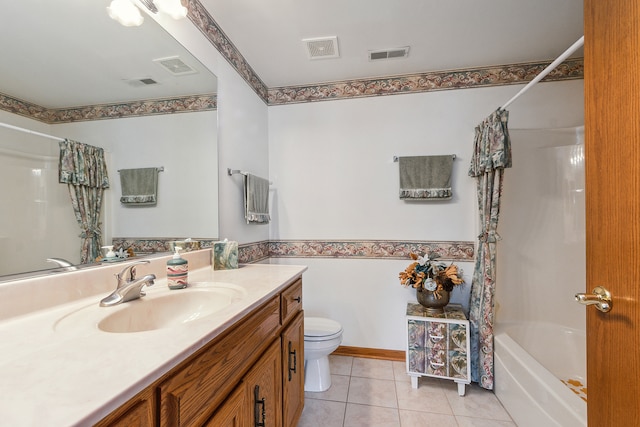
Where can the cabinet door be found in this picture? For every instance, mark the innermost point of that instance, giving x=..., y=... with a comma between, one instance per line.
x=291, y=301
x=233, y=412
x=293, y=371
x=190, y=395
x=263, y=388
x=138, y=412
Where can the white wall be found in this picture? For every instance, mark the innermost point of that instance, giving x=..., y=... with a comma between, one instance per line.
x=331, y=163
x=185, y=145
x=242, y=131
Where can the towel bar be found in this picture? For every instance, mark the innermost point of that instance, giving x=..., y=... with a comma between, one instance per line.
x=241, y=172
x=160, y=169
x=395, y=158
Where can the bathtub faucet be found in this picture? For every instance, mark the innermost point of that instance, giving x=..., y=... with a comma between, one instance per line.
x=600, y=297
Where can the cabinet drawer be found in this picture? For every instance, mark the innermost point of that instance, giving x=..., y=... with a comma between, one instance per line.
x=291, y=301
x=191, y=395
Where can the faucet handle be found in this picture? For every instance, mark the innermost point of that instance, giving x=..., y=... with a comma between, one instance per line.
x=128, y=273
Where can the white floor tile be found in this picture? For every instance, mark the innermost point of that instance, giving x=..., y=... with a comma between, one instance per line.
x=372, y=368
x=369, y=391
x=482, y=422
x=477, y=402
x=372, y=393
x=340, y=365
x=400, y=372
x=424, y=398
x=338, y=391
x=322, y=413
x=426, y=419
x=370, y=416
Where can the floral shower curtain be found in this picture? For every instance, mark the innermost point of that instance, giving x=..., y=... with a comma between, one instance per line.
x=492, y=154
x=82, y=167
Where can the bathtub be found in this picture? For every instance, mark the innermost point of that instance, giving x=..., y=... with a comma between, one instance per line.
x=532, y=359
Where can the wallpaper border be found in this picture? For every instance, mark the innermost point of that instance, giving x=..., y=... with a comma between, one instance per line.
x=392, y=85
x=119, y=110
x=348, y=249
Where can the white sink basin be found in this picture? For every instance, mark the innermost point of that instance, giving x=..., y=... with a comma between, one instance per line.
x=156, y=310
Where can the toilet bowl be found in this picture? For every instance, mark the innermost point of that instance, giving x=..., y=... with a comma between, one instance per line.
x=321, y=337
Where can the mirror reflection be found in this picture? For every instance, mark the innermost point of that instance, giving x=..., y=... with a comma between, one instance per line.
x=69, y=71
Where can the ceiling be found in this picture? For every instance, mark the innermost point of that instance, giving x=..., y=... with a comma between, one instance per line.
x=442, y=34
x=70, y=53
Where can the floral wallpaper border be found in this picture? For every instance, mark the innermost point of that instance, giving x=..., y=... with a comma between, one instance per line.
x=359, y=249
x=203, y=20
x=426, y=82
x=183, y=104
x=411, y=83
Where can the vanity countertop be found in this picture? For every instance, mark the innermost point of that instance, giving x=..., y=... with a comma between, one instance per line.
x=79, y=374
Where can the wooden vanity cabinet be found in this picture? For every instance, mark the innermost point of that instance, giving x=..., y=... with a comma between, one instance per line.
x=263, y=385
x=257, y=365
x=139, y=411
x=190, y=396
x=293, y=371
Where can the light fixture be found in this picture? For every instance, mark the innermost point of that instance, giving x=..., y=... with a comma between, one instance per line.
x=173, y=8
x=126, y=12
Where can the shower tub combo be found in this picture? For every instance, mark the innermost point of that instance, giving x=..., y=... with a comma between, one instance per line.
x=540, y=374
x=539, y=342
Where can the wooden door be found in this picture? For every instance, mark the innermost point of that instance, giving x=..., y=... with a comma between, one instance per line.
x=293, y=371
x=612, y=155
x=263, y=388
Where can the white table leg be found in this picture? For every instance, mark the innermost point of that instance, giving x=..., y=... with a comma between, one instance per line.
x=414, y=381
x=461, y=389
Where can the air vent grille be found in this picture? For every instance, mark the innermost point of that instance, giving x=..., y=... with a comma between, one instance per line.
x=322, y=47
x=175, y=66
x=141, y=82
x=400, y=52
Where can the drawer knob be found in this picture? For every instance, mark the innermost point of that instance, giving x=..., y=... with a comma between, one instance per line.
x=297, y=299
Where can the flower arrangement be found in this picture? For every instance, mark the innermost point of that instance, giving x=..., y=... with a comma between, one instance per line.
x=426, y=273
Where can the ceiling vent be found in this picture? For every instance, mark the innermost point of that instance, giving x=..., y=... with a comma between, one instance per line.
x=399, y=52
x=175, y=66
x=141, y=82
x=322, y=47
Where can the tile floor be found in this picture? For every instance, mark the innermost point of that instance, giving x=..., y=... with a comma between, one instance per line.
x=368, y=392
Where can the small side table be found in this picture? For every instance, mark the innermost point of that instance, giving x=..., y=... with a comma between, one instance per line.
x=438, y=345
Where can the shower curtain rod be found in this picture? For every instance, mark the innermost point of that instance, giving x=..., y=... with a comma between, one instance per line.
x=547, y=70
x=44, y=135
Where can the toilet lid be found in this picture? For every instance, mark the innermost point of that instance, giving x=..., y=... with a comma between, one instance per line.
x=320, y=327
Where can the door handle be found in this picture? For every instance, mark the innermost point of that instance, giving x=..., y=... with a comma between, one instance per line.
x=600, y=297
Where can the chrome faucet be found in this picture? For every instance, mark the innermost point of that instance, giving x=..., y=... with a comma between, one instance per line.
x=66, y=265
x=129, y=288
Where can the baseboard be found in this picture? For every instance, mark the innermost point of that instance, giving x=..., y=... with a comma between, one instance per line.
x=370, y=353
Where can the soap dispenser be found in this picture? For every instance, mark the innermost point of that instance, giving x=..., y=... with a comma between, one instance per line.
x=177, y=271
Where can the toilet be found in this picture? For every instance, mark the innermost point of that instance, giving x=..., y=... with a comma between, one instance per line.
x=321, y=337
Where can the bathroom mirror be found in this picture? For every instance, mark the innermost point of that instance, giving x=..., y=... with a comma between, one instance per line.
x=68, y=54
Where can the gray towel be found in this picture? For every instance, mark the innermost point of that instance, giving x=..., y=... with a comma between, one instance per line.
x=426, y=177
x=256, y=199
x=139, y=186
